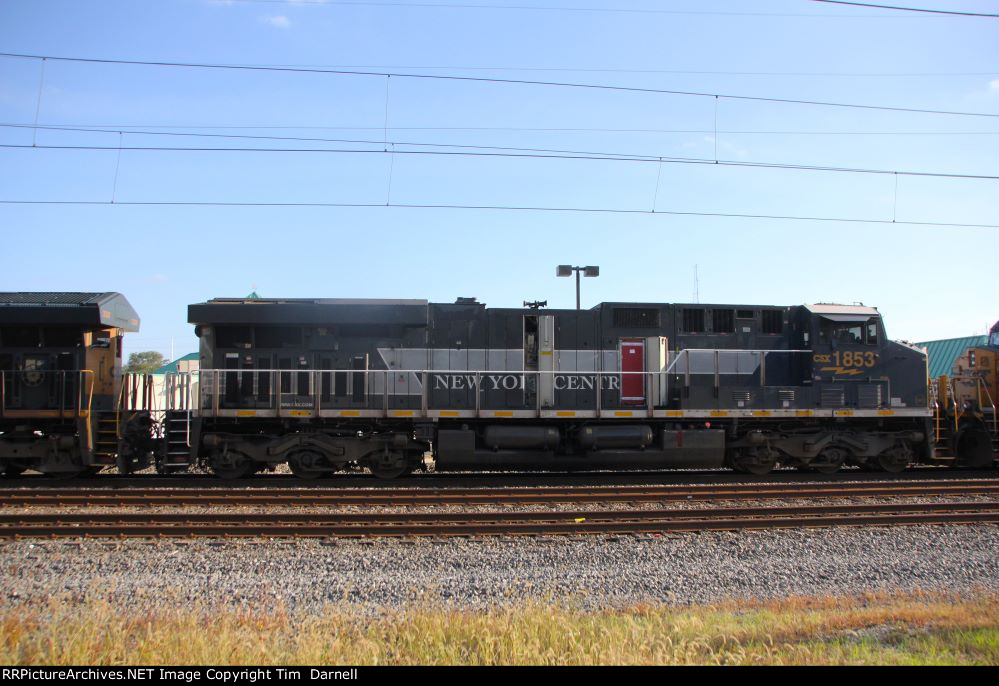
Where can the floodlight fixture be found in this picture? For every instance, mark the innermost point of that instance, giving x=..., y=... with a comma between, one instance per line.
x=568, y=269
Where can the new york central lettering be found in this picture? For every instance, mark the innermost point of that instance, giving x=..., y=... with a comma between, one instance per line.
x=516, y=382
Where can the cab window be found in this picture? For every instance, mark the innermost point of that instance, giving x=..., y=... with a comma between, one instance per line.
x=872, y=332
x=847, y=333
x=851, y=333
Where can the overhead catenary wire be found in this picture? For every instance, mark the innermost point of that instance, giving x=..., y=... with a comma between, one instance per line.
x=187, y=130
x=623, y=70
x=117, y=166
x=555, y=155
x=495, y=80
x=558, y=8
x=900, y=8
x=38, y=103
x=510, y=208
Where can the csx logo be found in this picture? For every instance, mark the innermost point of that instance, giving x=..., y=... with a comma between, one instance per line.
x=822, y=359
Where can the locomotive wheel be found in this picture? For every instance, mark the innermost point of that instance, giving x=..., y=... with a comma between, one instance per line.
x=828, y=461
x=974, y=448
x=389, y=464
x=233, y=466
x=306, y=464
x=896, y=459
x=758, y=461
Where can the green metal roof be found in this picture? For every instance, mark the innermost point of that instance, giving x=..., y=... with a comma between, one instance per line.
x=942, y=354
x=171, y=368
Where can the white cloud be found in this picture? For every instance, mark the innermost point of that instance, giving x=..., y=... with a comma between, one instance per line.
x=994, y=85
x=278, y=21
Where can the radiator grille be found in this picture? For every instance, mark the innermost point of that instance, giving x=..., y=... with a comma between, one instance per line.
x=636, y=318
x=869, y=395
x=832, y=397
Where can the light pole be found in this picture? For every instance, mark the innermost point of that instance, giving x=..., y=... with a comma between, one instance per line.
x=567, y=270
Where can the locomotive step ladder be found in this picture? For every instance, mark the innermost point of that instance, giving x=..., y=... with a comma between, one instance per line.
x=176, y=452
x=106, y=441
x=943, y=450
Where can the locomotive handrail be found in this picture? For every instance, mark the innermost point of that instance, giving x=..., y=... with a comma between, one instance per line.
x=740, y=350
x=936, y=420
x=435, y=393
x=89, y=374
x=126, y=380
x=952, y=387
x=983, y=386
x=85, y=374
x=82, y=391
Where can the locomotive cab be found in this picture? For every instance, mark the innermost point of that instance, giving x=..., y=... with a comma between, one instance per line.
x=854, y=365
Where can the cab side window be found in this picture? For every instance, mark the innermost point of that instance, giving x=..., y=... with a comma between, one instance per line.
x=844, y=334
x=849, y=333
x=872, y=332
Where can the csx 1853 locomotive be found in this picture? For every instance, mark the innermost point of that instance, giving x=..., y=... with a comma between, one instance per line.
x=325, y=385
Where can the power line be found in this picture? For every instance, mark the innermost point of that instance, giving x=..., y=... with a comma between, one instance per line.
x=131, y=128
x=229, y=136
x=545, y=8
x=621, y=70
x=541, y=154
x=483, y=79
x=909, y=9
x=512, y=208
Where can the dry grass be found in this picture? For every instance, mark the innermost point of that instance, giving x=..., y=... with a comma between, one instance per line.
x=909, y=629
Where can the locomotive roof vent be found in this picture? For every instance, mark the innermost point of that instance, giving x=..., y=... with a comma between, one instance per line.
x=466, y=301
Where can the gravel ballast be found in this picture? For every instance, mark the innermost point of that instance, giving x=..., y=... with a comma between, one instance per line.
x=595, y=572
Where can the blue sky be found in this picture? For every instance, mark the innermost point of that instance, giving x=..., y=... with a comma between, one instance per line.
x=930, y=282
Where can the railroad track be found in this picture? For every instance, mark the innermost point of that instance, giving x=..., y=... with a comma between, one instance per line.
x=174, y=497
x=497, y=479
x=450, y=524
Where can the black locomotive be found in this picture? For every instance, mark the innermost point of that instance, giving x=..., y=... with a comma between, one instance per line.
x=393, y=385
x=324, y=384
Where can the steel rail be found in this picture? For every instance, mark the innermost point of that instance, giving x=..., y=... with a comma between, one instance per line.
x=481, y=496
x=356, y=525
x=491, y=516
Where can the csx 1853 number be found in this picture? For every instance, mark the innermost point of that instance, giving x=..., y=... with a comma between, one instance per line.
x=848, y=359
